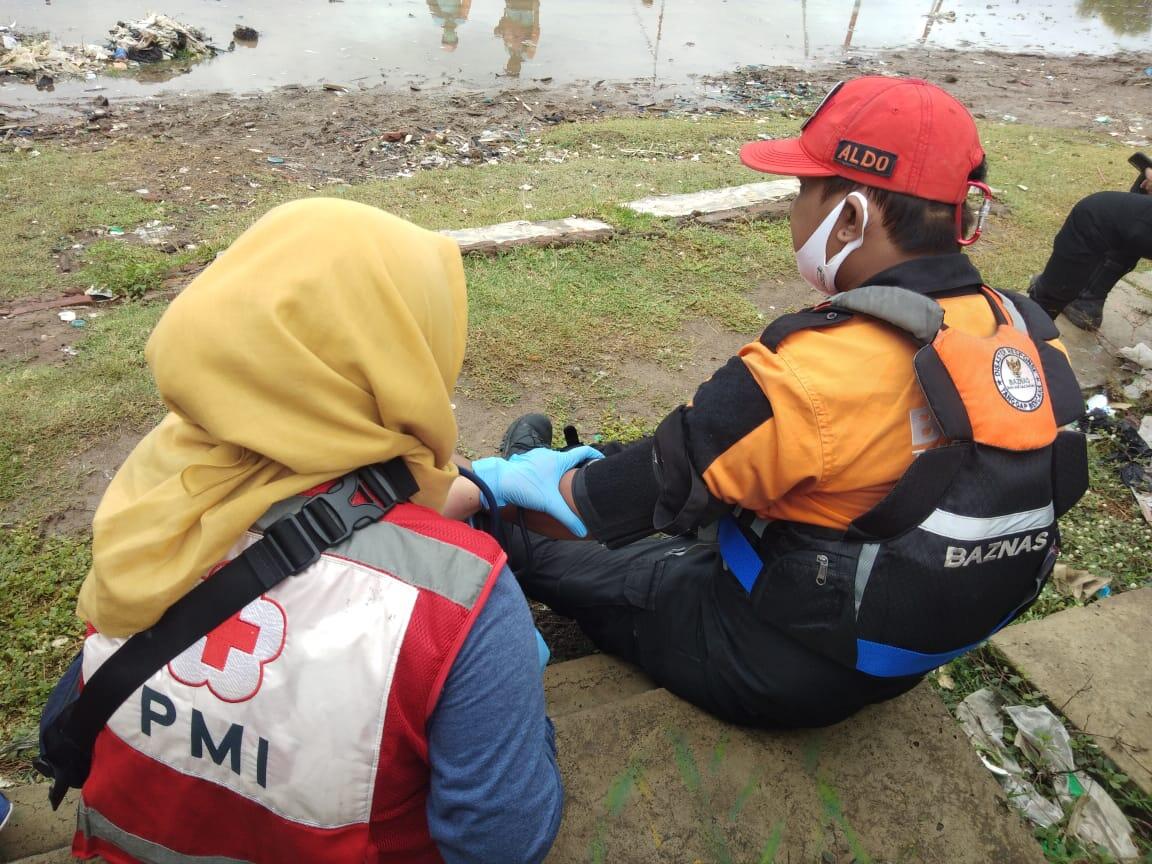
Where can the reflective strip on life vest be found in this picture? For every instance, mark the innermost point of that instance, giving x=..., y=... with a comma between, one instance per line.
x=92, y=825
x=973, y=529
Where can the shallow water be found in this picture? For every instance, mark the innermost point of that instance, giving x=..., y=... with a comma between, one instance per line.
x=484, y=43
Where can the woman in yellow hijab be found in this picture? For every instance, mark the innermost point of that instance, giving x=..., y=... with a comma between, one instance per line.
x=384, y=704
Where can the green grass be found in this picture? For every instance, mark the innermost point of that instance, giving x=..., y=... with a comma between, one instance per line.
x=49, y=414
x=53, y=201
x=39, y=578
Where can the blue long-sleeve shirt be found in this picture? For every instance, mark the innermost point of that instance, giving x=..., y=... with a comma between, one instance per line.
x=495, y=792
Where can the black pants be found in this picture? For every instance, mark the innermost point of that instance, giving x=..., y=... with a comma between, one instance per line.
x=1103, y=238
x=670, y=607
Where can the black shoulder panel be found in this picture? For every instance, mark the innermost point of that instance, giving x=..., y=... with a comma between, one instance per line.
x=943, y=398
x=914, y=496
x=1063, y=388
x=806, y=319
x=1040, y=325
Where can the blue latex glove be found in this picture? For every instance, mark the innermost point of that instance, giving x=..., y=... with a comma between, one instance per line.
x=543, y=654
x=532, y=480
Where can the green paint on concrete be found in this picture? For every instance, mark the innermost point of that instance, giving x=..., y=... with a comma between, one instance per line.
x=718, y=754
x=835, y=811
x=685, y=761
x=621, y=789
x=812, y=754
x=742, y=797
x=768, y=853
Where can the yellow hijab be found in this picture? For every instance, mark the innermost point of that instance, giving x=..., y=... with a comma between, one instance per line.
x=328, y=337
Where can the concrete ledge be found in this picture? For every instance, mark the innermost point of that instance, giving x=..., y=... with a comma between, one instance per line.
x=598, y=679
x=34, y=829
x=508, y=235
x=751, y=201
x=652, y=779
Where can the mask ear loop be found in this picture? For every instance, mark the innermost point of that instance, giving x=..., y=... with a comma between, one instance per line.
x=981, y=214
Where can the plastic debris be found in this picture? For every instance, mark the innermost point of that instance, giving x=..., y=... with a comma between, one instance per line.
x=100, y=294
x=1103, y=118
x=1042, y=737
x=158, y=37
x=115, y=231
x=1010, y=118
x=1099, y=402
x=66, y=315
x=1140, y=354
x=79, y=323
x=154, y=232
x=979, y=714
x=1093, y=816
x=1079, y=584
x=275, y=160
x=245, y=34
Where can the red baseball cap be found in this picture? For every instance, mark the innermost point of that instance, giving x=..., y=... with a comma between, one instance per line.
x=901, y=134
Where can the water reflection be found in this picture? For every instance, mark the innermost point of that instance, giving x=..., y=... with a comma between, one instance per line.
x=520, y=30
x=1124, y=17
x=449, y=14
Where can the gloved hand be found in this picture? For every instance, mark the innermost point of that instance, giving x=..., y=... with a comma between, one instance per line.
x=532, y=480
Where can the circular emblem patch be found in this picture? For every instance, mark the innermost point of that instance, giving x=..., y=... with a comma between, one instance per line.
x=1017, y=379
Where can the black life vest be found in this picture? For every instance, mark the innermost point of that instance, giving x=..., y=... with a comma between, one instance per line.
x=966, y=539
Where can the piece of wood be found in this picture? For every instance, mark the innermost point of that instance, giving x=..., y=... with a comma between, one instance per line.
x=508, y=235
x=751, y=201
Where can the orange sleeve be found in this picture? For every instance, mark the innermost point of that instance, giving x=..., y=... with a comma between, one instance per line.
x=754, y=431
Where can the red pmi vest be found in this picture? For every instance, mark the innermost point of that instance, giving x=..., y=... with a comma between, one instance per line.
x=297, y=730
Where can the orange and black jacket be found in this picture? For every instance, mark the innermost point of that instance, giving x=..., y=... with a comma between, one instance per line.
x=808, y=431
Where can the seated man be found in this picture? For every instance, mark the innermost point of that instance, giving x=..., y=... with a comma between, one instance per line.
x=1101, y=241
x=883, y=472
x=384, y=703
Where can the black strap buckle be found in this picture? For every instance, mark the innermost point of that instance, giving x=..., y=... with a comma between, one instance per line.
x=329, y=518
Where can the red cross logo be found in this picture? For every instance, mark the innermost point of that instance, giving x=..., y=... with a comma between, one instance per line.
x=230, y=660
x=233, y=633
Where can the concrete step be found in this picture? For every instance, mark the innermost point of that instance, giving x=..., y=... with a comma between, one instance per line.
x=651, y=779
x=577, y=685
x=34, y=829
x=1091, y=662
x=508, y=235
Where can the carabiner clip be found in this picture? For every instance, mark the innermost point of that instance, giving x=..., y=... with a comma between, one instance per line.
x=981, y=214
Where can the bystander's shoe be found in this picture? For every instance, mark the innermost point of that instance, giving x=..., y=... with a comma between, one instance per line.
x=526, y=433
x=5, y=811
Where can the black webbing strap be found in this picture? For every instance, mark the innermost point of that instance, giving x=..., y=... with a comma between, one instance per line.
x=290, y=545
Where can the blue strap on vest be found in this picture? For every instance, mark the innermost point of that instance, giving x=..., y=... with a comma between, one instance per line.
x=738, y=554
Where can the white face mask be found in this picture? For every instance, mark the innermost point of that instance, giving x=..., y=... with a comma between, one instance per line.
x=811, y=258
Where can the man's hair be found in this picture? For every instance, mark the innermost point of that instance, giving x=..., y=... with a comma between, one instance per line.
x=916, y=225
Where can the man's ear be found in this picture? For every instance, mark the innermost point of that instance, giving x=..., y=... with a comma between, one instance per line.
x=850, y=225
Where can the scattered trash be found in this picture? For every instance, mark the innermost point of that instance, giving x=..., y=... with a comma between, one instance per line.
x=1145, y=430
x=1093, y=816
x=99, y=294
x=245, y=34
x=1140, y=354
x=79, y=323
x=1011, y=118
x=275, y=160
x=336, y=88
x=1103, y=118
x=1148, y=72
x=115, y=231
x=944, y=679
x=1099, y=402
x=158, y=37
x=1022, y=187
x=154, y=232
x=69, y=351
x=979, y=715
x=66, y=315
x=1079, y=584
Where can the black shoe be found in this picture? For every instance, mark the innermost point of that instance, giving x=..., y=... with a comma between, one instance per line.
x=1085, y=314
x=526, y=433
